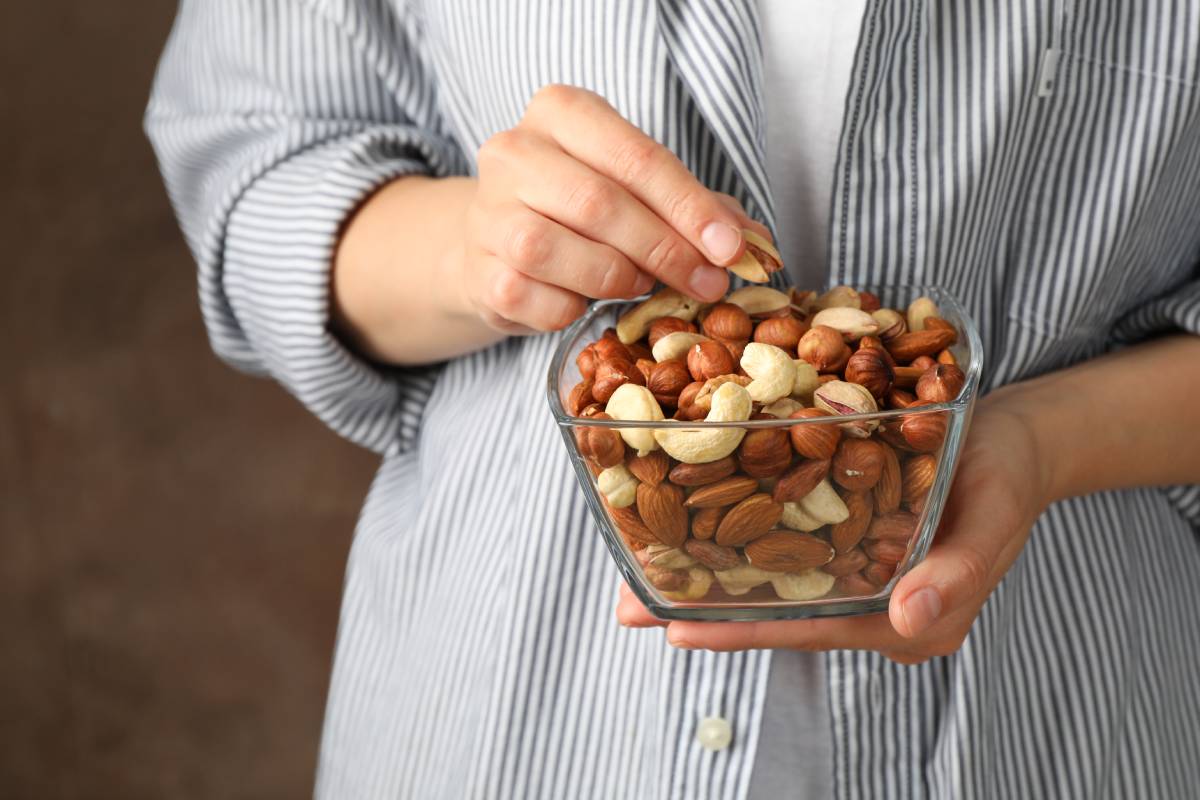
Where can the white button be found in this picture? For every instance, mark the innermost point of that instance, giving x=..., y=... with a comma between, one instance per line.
x=714, y=733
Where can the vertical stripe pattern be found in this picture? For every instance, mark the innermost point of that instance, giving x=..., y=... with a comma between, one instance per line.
x=477, y=656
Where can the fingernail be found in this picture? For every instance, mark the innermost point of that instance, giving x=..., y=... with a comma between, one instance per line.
x=721, y=241
x=643, y=284
x=922, y=609
x=708, y=283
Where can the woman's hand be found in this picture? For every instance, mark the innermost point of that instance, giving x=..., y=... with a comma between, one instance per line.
x=577, y=203
x=1001, y=488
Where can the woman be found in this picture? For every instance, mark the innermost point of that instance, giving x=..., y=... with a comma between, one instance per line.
x=1040, y=160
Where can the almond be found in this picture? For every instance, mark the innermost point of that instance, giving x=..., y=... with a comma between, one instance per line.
x=947, y=357
x=885, y=551
x=765, y=452
x=650, y=468
x=797, y=482
x=846, y=534
x=847, y=563
x=701, y=474
x=906, y=377
x=748, y=520
x=914, y=344
x=712, y=555
x=630, y=524
x=898, y=526
x=814, y=440
x=939, y=324
x=878, y=573
x=785, y=551
x=705, y=522
x=919, y=472
x=887, y=490
x=855, y=585
x=722, y=493
x=898, y=398
x=858, y=464
x=869, y=301
x=662, y=511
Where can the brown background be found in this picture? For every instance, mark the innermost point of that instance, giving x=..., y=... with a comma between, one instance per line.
x=172, y=533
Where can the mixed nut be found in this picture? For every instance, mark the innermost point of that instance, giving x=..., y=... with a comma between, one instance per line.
x=821, y=508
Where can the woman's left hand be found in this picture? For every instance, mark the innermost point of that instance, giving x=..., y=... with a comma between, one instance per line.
x=1000, y=489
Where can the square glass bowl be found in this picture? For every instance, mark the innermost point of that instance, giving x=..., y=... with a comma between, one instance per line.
x=703, y=570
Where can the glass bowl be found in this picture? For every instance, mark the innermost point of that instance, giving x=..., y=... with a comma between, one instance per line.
x=712, y=560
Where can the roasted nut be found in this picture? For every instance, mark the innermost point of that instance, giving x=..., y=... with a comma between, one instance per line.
x=854, y=586
x=664, y=325
x=586, y=362
x=850, y=531
x=898, y=526
x=759, y=300
x=847, y=563
x=786, y=551
x=699, y=580
x=705, y=522
x=765, y=452
x=851, y=323
x=645, y=366
x=708, y=359
x=919, y=472
x=803, y=301
x=887, y=491
x=772, y=370
x=748, y=520
x=947, y=357
x=858, y=464
x=782, y=332
x=814, y=440
x=898, y=398
x=908, y=346
x=730, y=403
x=650, y=468
x=703, y=398
x=612, y=374
x=602, y=446
x=782, y=408
x=924, y=432
x=667, y=380
x=666, y=579
x=712, y=555
x=742, y=578
x=608, y=348
x=885, y=551
x=838, y=297
x=799, y=481
x=632, y=402
x=580, y=397
x=662, y=511
x=640, y=351
x=906, y=377
x=630, y=524
x=918, y=311
x=808, y=585
x=727, y=321
x=891, y=323
x=618, y=485
x=842, y=397
x=823, y=347
x=879, y=573
x=941, y=383
x=703, y=474
x=923, y=363
x=687, y=409
x=871, y=369
x=759, y=260
x=868, y=301
x=937, y=323
x=676, y=345
x=635, y=323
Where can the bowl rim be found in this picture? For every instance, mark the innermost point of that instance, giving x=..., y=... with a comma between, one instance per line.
x=945, y=300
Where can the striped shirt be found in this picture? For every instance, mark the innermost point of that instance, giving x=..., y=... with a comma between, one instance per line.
x=477, y=654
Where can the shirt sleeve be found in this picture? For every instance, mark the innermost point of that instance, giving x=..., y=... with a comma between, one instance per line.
x=272, y=121
x=1176, y=311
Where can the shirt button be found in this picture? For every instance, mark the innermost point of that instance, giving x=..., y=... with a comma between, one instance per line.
x=714, y=733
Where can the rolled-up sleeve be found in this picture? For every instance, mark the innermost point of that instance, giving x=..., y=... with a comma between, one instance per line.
x=1174, y=311
x=272, y=121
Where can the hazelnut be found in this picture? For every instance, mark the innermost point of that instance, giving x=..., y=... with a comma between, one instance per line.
x=813, y=440
x=735, y=348
x=664, y=325
x=940, y=383
x=765, y=452
x=602, y=446
x=613, y=373
x=898, y=398
x=645, y=366
x=586, y=361
x=858, y=464
x=879, y=573
x=919, y=472
x=686, y=403
x=923, y=432
x=703, y=398
x=783, y=332
x=947, y=357
x=870, y=368
x=580, y=397
x=727, y=321
x=922, y=363
x=639, y=351
x=667, y=380
x=823, y=347
x=608, y=349
x=708, y=360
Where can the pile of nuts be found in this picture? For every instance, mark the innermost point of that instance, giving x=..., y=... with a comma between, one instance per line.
x=726, y=514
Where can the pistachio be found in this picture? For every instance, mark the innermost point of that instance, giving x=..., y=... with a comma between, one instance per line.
x=851, y=323
x=759, y=261
x=842, y=397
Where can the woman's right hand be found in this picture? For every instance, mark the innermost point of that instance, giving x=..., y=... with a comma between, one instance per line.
x=576, y=203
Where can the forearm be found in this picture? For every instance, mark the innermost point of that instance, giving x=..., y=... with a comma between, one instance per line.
x=396, y=277
x=1130, y=418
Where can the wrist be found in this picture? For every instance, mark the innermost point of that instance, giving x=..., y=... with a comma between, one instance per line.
x=1034, y=405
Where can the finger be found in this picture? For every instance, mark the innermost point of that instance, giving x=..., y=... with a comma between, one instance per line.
x=872, y=632
x=506, y=297
x=589, y=129
x=548, y=252
x=632, y=614
x=976, y=530
x=599, y=209
x=746, y=221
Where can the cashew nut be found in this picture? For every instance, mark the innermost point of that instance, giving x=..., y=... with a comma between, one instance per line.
x=772, y=370
x=758, y=299
x=742, y=578
x=699, y=581
x=618, y=486
x=675, y=345
x=633, y=402
x=822, y=506
x=635, y=322
x=797, y=519
x=807, y=380
x=808, y=585
x=730, y=403
x=783, y=408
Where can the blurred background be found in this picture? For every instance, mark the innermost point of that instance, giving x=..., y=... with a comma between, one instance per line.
x=172, y=533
